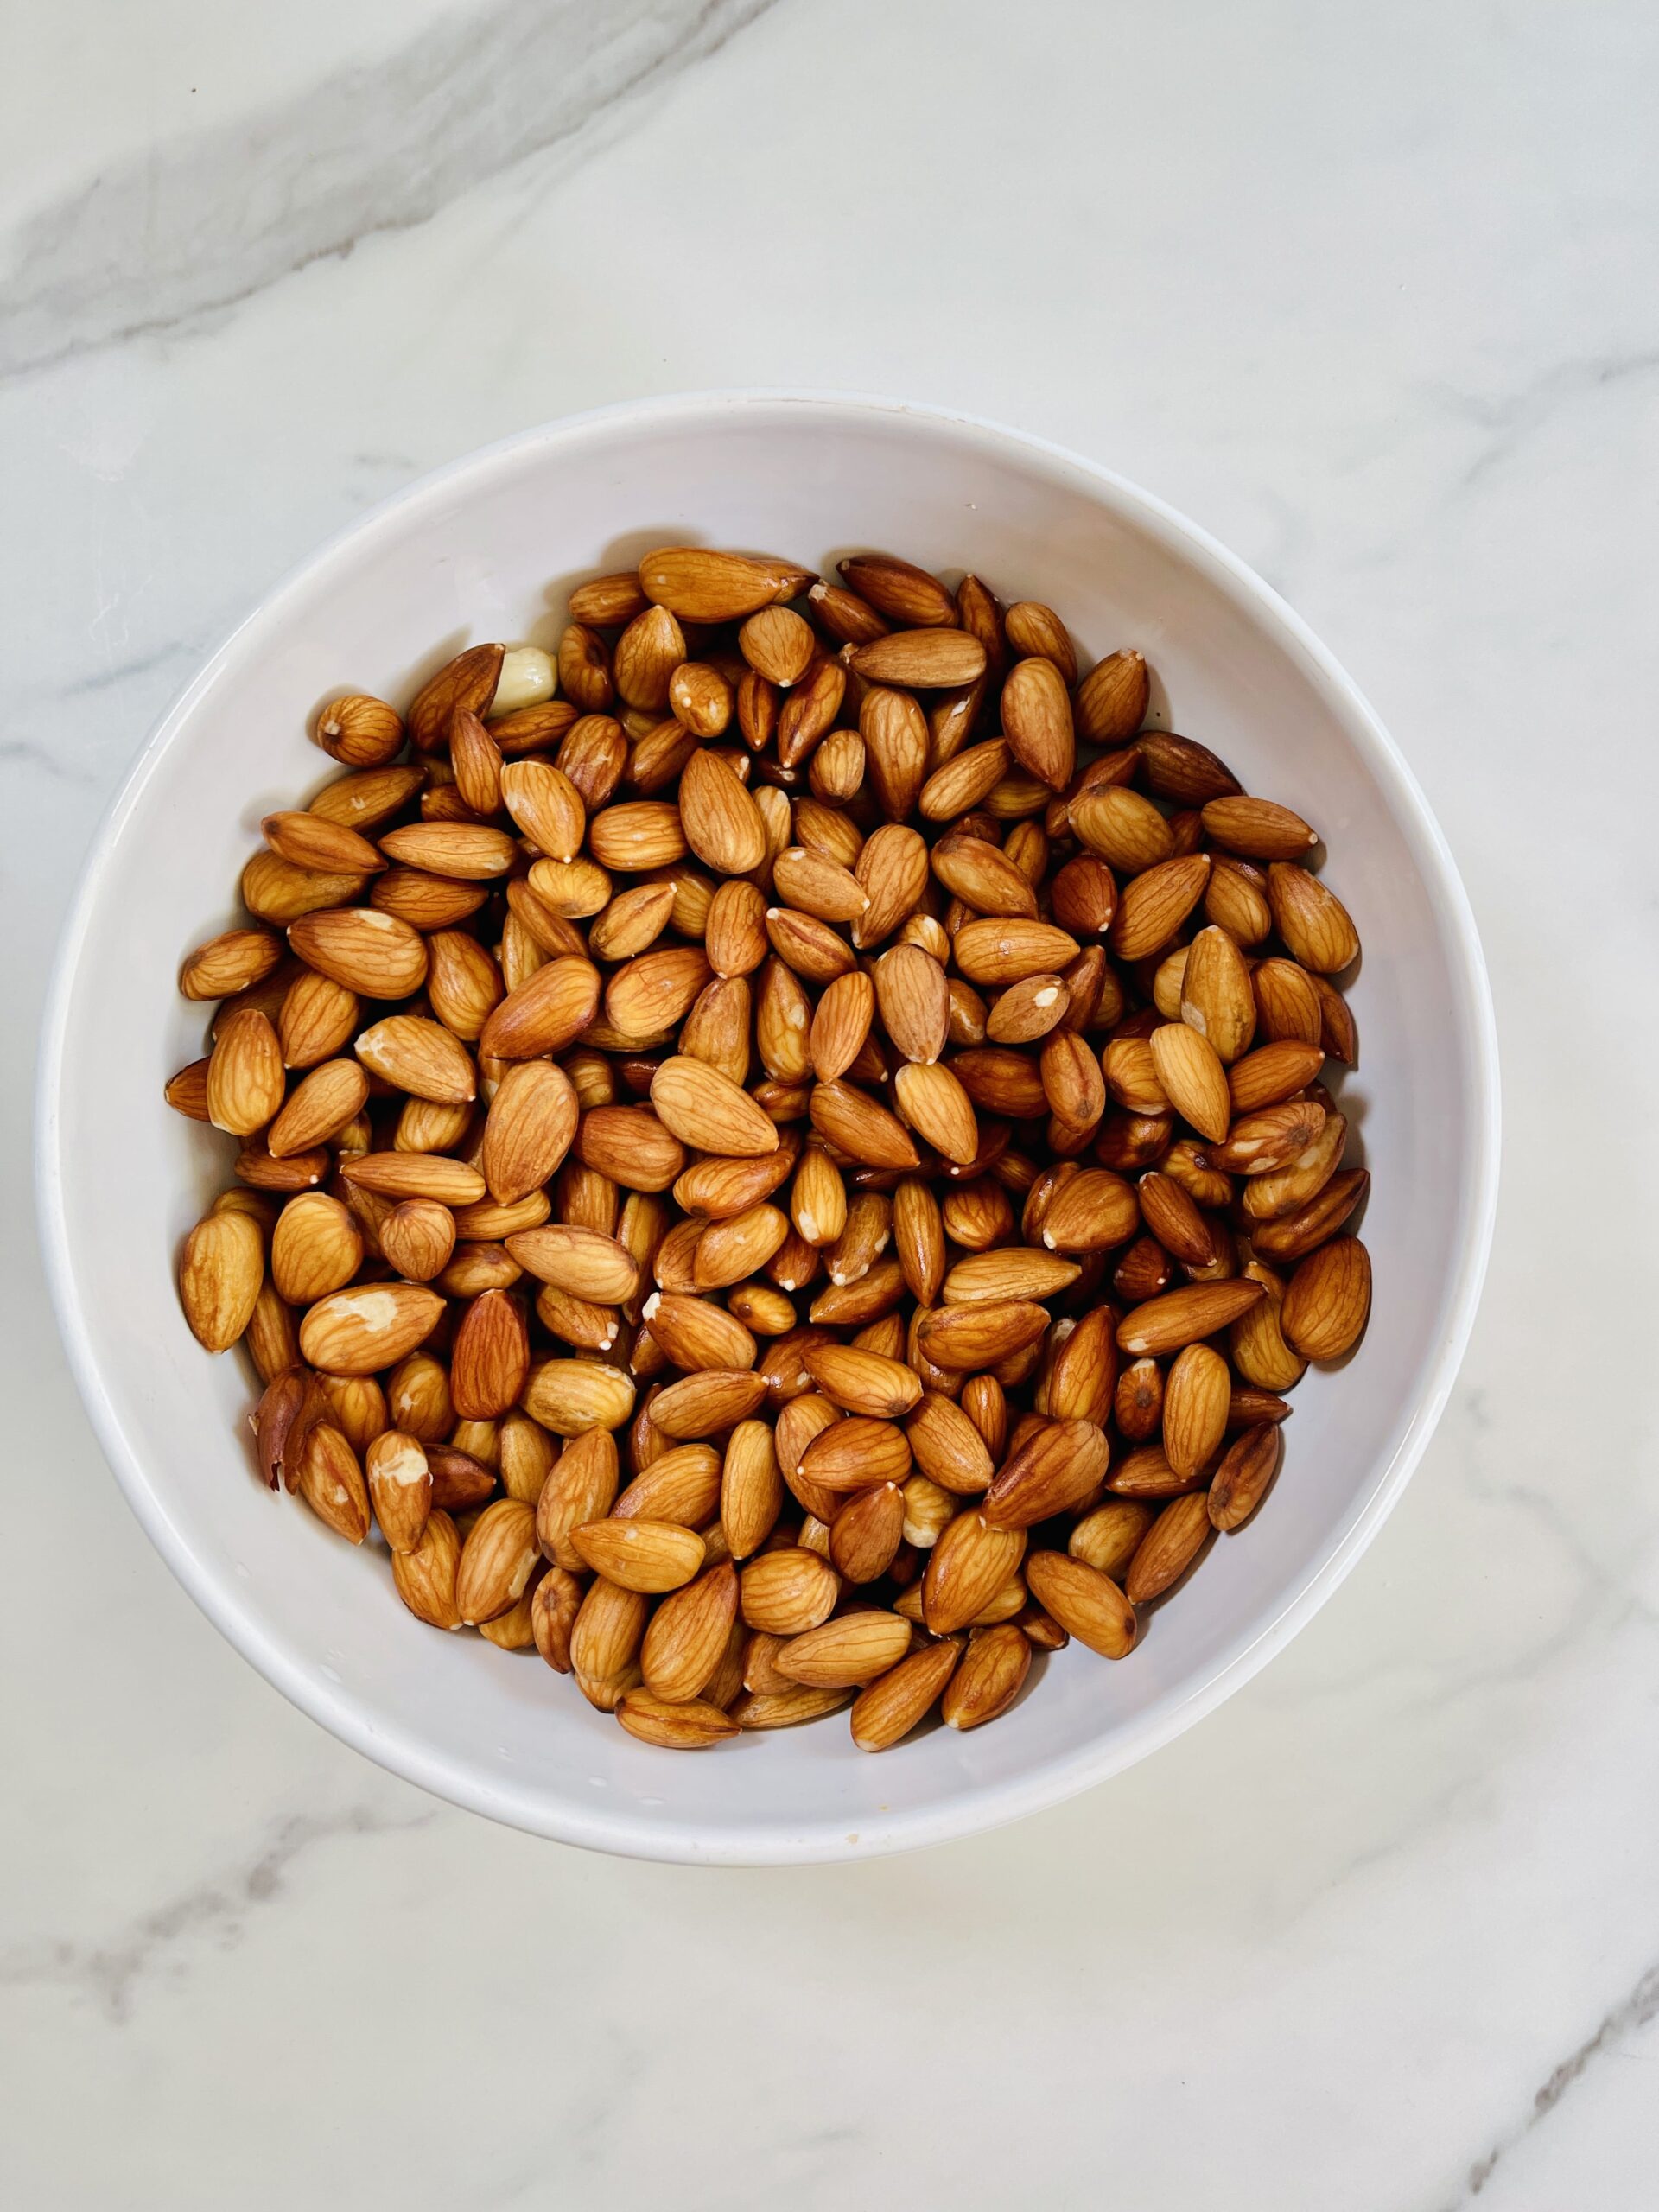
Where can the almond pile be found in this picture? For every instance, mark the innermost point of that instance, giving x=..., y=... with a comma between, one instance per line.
x=784, y=1161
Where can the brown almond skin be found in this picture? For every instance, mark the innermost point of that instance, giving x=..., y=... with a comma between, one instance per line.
x=1242, y=1480
x=1087, y=1604
x=989, y=1678
x=1169, y=1548
x=1054, y=1471
x=1328, y=1300
x=886, y=1711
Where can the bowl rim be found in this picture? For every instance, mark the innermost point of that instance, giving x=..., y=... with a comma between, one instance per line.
x=981, y=1807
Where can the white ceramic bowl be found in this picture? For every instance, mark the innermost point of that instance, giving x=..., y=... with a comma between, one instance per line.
x=487, y=549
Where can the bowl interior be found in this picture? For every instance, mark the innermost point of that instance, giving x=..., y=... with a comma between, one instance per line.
x=488, y=550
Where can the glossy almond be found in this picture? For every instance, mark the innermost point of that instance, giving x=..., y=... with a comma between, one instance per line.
x=966, y=1568
x=1184, y=1317
x=1087, y=1604
x=1328, y=1300
x=1056, y=1470
x=1312, y=921
x=1037, y=721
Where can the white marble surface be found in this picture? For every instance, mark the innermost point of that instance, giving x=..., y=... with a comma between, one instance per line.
x=1373, y=294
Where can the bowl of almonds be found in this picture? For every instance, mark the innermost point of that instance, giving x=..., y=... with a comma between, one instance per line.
x=715, y=1090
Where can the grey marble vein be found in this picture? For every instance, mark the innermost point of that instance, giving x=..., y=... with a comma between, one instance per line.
x=1508, y=420
x=1639, y=2010
x=179, y=231
x=109, y=1972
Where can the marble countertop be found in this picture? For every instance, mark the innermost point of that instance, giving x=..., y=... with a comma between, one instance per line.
x=1371, y=294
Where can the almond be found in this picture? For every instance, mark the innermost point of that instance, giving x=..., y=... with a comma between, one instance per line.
x=751, y=1490
x=921, y=660
x=555, y=1604
x=1169, y=1548
x=572, y=1396
x=467, y=683
x=983, y=877
x=863, y=1381
x=895, y=735
x=787, y=1709
x=1215, y=996
x=788, y=1591
x=1037, y=721
x=844, y=1653
x=1057, y=1470
x=722, y=822
x=1112, y=699
x=1242, y=1479
x=1015, y=1271
x=1086, y=1603
x=966, y=1568
x=397, y=1175
x=638, y=835
x=964, y=779
x=704, y=1404
x=245, y=1078
x=369, y=1327
x=732, y=1250
x=400, y=1488
x=331, y=1482
x=648, y=1556
x=899, y=1700
x=852, y=1122
x=496, y=1560
x=1266, y=1142
x=532, y=1120
x=584, y=1261
x=704, y=1109
x=840, y=1026
x=687, y=1634
x=1092, y=1212
x=989, y=1677
x=892, y=866
x=1071, y=1080
x=1312, y=921
x=315, y=1247
x=962, y=1337
x=491, y=1358
x=807, y=715
x=1008, y=949
x=1328, y=1300
x=1122, y=828
x=856, y=1453
x=1195, y=1393
x=1153, y=906
x=931, y=1099
x=220, y=1278
x=609, y=1624
x=1184, y=1317
x=1191, y=1076
x=819, y=885
x=867, y=1532
x=681, y=1484
x=899, y=590
x=701, y=586
x=687, y=1725
x=1272, y=1074
x=233, y=962
x=1292, y=1235
x=1109, y=1538
x=697, y=1335
x=630, y=1146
